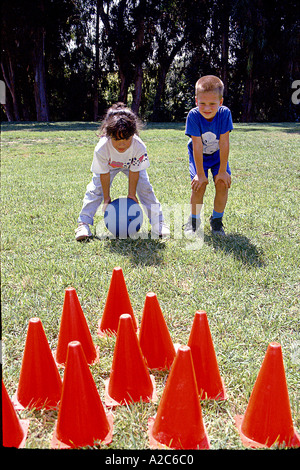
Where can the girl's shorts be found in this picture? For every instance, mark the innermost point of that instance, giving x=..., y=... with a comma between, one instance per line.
x=210, y=162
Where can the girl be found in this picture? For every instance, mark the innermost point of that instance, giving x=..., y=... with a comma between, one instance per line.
x=120, y=150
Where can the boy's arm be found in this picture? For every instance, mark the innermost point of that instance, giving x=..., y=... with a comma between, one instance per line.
x=224, y=154
x=200, y=178
x=132, y=184
x=105, y=183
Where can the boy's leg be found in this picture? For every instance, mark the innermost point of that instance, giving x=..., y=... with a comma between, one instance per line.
x=196, y=200
x=221, y=197
x=220, y=201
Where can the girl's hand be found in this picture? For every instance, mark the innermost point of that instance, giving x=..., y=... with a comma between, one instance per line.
x=133, y=197
x=198, y=181
x=225, y=177
x=105, y=204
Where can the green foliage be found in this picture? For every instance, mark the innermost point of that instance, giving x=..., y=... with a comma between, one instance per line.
x=251, y=45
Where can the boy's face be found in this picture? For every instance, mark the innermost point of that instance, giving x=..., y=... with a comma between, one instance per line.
x=208, y=103
x=121, y=145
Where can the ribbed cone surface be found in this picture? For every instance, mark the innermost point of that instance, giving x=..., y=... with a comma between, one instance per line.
x=81, y=418
x=74, y=327
x=12, y=431
x=178, y=423
x=207, y=373
x=40, y=384
x=268, y=415
x=129, y=377
x=117, y=303
x=154, y=337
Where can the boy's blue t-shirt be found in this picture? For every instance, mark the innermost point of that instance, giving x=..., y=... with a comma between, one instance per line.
x=209, y=131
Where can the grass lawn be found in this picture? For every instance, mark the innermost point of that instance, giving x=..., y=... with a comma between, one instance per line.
x=247, y=283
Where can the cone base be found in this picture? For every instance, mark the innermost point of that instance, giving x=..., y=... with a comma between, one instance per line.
x=62, y=365
x=247, y=442
x=32, y=405
x=57, y=444
x=25, y=426
x=24, y=423
x=222, y=395
x=110, y=402
x=154, y=444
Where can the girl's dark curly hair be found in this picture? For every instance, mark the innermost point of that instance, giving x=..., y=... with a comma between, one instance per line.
x=119, y=123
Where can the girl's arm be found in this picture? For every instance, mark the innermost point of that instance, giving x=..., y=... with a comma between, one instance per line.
x=132, y=184
x=224, y=153
x=105, y=183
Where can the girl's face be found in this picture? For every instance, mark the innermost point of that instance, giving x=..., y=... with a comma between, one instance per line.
x=208, y=103
x=121, y=145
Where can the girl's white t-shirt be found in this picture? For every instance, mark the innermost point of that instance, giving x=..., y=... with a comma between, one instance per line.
x=106, y=157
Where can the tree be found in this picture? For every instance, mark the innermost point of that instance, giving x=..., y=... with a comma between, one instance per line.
x=129, y=30
x=170, y=37
x=38, y=33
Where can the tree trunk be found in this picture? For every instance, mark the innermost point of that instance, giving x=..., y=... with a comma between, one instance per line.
x=124, y=85
x=96, y=71
x=224, y=54
x=38, y=55
x=159, y=91
x=139, y=59
x=248, y=93
x=137, y=95
x=9, y=78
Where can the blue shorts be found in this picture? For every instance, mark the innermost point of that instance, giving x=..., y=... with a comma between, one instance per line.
x=210, y=162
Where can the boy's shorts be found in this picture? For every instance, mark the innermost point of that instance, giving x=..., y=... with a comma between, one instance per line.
x=210, y=162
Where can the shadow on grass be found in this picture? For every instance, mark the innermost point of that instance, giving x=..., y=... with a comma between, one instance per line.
x=239, y=247
x=143, y=251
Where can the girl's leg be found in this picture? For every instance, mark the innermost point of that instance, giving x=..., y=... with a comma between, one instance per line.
x=148, y=199
x=93, y=199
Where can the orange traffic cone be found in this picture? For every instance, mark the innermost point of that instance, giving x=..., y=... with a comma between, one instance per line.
x=40, y=384
x=74, y=327
x=129, y=379
x=14, y=430
x=117, y=303
x=178, y=423
x=154, y=337
x=267, y=420
x=81, y=419
x=210, y=384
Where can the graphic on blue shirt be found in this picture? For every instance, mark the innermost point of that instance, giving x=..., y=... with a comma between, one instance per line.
x=210, y=143
x=209, y=131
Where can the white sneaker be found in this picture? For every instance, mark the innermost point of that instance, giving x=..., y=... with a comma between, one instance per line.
x=161, y=230
x=83, y=232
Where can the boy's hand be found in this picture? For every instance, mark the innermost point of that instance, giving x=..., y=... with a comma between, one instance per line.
x=105, y=204
x=198, y=181
x=225, y=177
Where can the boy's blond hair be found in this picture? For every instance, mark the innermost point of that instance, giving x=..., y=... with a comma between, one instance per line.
x=209, y=83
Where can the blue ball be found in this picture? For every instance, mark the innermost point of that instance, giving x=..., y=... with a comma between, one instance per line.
x=123, y=217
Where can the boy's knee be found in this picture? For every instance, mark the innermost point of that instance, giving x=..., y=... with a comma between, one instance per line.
x=220, y=186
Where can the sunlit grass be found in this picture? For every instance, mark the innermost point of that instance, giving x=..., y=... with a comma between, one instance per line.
x=248, y=283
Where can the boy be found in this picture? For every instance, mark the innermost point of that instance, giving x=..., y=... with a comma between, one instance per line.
x=208, y=126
